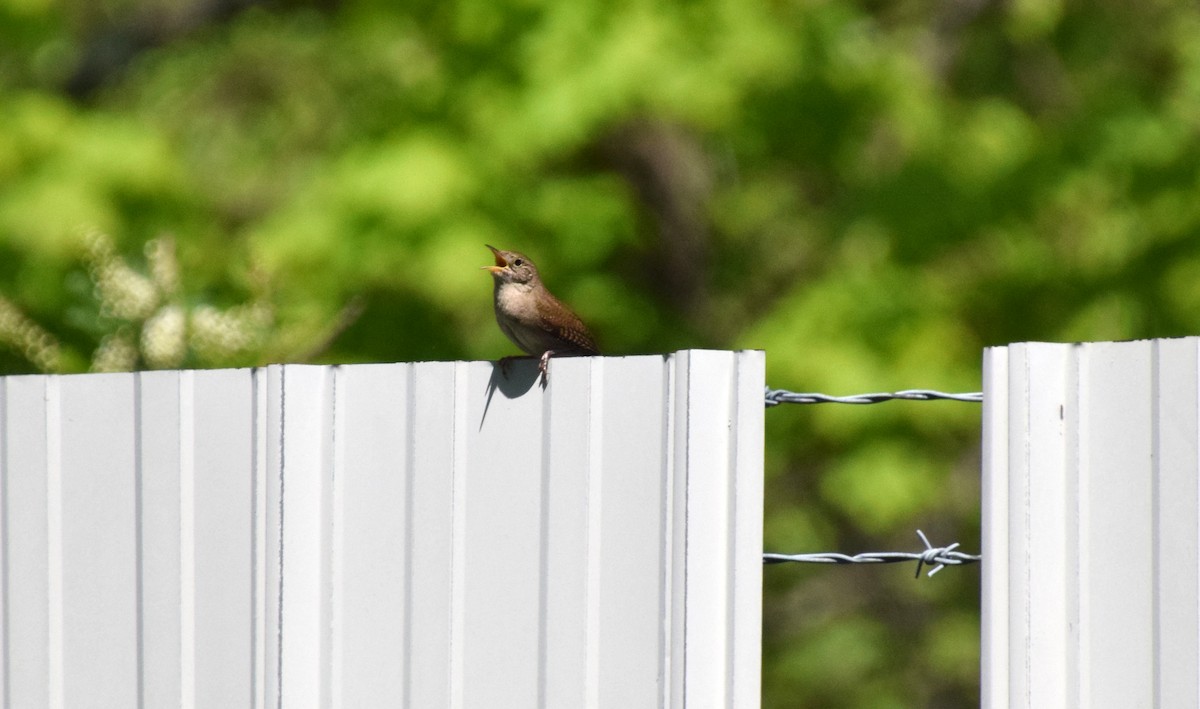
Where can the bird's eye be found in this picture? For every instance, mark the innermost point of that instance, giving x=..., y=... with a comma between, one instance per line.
x=519, y=262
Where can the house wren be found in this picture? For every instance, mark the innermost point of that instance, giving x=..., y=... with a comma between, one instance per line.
x=530, y=316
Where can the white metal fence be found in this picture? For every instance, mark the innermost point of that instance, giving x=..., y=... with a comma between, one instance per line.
x=434, y=534
x=1091, y=526
x=418, y=535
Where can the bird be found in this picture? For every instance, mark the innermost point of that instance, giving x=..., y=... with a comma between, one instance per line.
x=536, y=322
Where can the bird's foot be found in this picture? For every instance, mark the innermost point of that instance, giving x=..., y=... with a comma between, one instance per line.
x=544, y=366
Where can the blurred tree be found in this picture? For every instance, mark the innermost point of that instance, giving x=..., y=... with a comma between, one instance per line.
x=872, y=192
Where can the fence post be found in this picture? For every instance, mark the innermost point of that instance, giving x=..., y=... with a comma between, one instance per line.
x=1090, y=525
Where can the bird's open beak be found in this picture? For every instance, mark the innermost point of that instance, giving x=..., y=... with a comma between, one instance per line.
x=501, y=264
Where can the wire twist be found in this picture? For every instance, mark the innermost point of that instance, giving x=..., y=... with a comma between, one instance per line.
x=937, y=557
x=775, y=397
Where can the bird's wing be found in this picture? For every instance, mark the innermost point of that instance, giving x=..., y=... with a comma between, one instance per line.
x=565, y=325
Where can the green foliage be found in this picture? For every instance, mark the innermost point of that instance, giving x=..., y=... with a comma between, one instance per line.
x=870, y=192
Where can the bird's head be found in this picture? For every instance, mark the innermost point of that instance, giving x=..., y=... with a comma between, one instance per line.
x=512, y=267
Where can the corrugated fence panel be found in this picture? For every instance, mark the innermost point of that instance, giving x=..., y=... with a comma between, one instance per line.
x=416, y=535
x=1091, y=525
x=1177, y=507
x=434, y=577
x=162, y=504
x=371, y=534
x=222, y=497
x=25, y=571
x=303, y=465
x=501, y=543
x=95, y=603
x=632, y=651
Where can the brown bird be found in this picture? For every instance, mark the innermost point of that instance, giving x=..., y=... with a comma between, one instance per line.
x=531, y=316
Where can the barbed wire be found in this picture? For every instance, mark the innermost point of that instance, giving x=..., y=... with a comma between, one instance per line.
x=938, y=557
x=776, y=397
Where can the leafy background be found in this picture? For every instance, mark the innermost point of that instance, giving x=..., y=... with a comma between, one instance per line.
x=870, y=191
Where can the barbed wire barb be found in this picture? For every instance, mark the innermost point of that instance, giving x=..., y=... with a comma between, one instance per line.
x=775, y=397
x=932, y=556
x=937, y=557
